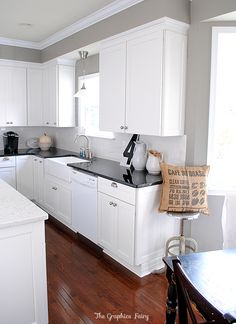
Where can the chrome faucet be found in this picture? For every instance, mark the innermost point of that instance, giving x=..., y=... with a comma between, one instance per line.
x=84, y=150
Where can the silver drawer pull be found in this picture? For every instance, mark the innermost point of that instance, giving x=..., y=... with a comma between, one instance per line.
x=54, y=188
x=35, y=160
x=110, y=203
x=5, y=159
x=114, y=204
x=114, y=185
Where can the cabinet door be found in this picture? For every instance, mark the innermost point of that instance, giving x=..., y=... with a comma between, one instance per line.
x=66, y=100
x=8, y=175
x=112, y=65
x=57, y=199
x=38, y=171
x=144, y=84
x=106, y=222
x=116, y=227
x=125, y=231
x=13, y=107
x=64, y=204
x=50, y=195
x=175, y=53
x=17, y=108
x=24, y=175
x=4, y=90
x=35, y=96
x=50, y=95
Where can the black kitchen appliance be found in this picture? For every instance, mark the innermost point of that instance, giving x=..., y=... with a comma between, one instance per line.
x=10, y=142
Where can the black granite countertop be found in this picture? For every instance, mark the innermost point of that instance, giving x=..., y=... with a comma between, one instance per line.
x=101, y=167
x=52, y=152
x=113, y=171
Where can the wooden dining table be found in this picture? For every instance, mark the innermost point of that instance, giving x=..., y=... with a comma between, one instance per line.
x=212, y=273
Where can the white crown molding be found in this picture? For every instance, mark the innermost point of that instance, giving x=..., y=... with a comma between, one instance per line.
x=103, y=13
x=19, y=43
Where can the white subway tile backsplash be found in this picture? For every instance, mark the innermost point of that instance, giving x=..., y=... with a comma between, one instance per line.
x=173, y=148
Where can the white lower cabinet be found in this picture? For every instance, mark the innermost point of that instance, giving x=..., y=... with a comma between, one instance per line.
x=38, y=172
x=8, y=175
x=8, y=170
x=57, y=199
x=116, y=226
x=23, y=274
x=24, y=175
x=131, y=230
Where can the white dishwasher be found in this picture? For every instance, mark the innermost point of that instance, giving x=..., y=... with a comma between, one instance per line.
x=84, y=204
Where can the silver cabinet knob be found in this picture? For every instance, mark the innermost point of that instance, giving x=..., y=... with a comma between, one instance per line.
x=55, y=123
x=7, y=123
x=47, y=123
x=54, y=188
x=126, y=127
x=11, y=123
x=35, y=160
x=121, y=127
x=110, y=203
x=114, y=204
x=114, y=185
x=40, y=161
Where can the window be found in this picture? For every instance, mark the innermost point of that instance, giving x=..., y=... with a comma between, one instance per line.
x=89, y=107
x=222, y=118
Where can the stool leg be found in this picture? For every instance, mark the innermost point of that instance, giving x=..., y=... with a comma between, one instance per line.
x=182, y=244
x=194, y=243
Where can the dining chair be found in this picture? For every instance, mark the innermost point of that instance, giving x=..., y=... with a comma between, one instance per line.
x=191, y=304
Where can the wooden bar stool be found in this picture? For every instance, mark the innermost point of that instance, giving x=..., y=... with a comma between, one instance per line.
x=181, y=242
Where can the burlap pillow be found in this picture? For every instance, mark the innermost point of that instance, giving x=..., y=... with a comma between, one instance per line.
x=184, y=189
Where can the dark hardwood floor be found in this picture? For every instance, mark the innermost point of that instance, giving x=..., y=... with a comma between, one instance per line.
x=85, y=287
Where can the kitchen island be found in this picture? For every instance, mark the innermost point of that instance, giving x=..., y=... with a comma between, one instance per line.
x=23, y=282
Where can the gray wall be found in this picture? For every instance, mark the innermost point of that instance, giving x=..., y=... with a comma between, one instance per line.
x=207, y=230
x=198, y=75
x=20, y=54
x=134, y=16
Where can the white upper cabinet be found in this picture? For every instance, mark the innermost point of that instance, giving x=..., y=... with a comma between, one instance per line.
x=49, y=95
x=112, y=64
x=13, y=103
x=35, y=95
x=142, y=86
x=58, y=91
x=144, y=83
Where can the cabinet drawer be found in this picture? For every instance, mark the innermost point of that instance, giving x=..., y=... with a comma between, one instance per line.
x=117, y=190
x=7, y=161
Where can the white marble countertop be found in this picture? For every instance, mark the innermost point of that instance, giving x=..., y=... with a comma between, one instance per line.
x=15, y=209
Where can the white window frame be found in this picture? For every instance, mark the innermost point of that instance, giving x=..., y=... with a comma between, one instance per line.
x=212, y=107
x=99, y=133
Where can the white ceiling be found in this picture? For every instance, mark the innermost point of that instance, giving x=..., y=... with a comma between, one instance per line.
x=231, y=16
x=46, y=16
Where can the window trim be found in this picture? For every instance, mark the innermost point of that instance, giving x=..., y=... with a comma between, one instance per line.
x=211, y=122
x=99, y=134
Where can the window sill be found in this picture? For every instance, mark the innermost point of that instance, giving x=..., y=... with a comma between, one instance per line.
x=112, y=136
x=217, y=191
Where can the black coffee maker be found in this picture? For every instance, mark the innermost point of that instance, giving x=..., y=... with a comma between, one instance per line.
x=10, y=141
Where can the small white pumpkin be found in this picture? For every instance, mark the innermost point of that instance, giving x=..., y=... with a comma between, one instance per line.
x=45, y=142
